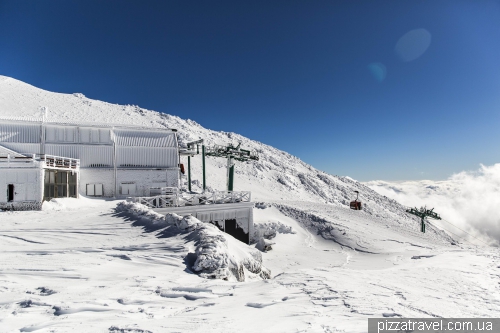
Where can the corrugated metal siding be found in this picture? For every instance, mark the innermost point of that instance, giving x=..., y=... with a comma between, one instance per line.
x=146, y=157
x=93, y=146
x=4, y=151
x=89, y=155
x=54, y=133
x=61, y=133
x=131, y=138
x=27, y=133
x=23, y=148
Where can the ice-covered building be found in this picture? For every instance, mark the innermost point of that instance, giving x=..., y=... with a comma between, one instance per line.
x=42, y=160
x=28, y=180
x=113, y=160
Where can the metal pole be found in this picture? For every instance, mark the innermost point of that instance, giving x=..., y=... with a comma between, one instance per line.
x=203, y=159
x=423, y=225
x=230, y=174
x=189, y=173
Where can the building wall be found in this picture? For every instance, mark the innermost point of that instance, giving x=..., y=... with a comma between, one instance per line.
x=27, y=184
x=145, y=157
x=97, y=176
x=143, y=180
x=140, y=179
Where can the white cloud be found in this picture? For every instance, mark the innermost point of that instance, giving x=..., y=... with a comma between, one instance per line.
x=469, y=200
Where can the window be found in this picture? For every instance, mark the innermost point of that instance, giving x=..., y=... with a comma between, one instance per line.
x=60, y=184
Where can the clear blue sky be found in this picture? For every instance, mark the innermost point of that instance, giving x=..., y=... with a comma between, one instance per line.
x=332, y=82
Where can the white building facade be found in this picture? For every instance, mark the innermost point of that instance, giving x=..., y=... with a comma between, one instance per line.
x=42, y=160
x=114, y=160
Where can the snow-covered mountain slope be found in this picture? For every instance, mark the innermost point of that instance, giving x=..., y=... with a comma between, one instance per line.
x=277, y=176
x=82, y=265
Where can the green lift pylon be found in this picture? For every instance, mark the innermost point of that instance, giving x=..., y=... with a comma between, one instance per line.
x=231, y=153
x=423, y=212
x=189, y=146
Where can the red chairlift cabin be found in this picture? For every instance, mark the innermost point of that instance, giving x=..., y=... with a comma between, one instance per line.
x=355, y=204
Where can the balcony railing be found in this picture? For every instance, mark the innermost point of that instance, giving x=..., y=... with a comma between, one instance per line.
x=59, y=162
x=170, y=197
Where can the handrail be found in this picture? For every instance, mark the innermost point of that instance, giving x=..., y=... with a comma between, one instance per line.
x=60, y=162
x=184, y=199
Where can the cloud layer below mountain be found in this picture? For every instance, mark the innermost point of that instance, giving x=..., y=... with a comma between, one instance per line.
x=468, y=200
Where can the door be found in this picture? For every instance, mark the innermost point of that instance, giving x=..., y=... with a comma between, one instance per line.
x=19, y=192
x=10, y=192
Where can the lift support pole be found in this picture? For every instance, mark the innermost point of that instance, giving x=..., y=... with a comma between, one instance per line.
x=423, y=212
x=230, y=173
x=190, y=145
x=203, y=159
x=232, y=153
x=189, y=173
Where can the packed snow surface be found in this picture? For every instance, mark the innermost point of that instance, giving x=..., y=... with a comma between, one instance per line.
x=84, y=265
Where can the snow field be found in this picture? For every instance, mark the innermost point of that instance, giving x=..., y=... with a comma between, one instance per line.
x=91, y=266
x=92, y=269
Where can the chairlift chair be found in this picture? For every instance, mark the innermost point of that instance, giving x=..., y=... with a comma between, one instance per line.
x=355, y=204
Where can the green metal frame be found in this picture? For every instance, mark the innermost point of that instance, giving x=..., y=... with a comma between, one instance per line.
x=231, y=153
x=423, y=212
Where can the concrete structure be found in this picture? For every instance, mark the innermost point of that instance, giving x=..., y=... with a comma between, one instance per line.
x=231, y=212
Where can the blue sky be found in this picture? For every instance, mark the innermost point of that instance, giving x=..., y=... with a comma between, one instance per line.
x=326, y=81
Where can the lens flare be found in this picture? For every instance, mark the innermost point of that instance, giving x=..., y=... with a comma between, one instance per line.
x=378, y=70
x=413, y=44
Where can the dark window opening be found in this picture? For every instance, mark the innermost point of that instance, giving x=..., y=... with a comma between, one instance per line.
x=234, y=230
x=60, y=184
x=10, y=192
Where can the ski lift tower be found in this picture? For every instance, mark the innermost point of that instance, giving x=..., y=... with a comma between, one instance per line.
x=231, y=153
x=423, y=212
x=193, y=148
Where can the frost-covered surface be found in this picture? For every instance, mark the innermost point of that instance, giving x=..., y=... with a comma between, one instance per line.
x=217, y=255
x=81, y=266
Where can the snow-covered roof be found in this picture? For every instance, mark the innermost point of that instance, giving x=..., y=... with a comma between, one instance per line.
x=4, y=152
x=75, y=123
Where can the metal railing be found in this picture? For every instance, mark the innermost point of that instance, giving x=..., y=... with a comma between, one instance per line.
x=176, y=199
x=59, y=162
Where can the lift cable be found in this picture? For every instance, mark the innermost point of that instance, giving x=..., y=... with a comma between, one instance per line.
x=465, y=232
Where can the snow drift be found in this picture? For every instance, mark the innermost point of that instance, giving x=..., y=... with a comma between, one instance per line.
x=217, y=255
